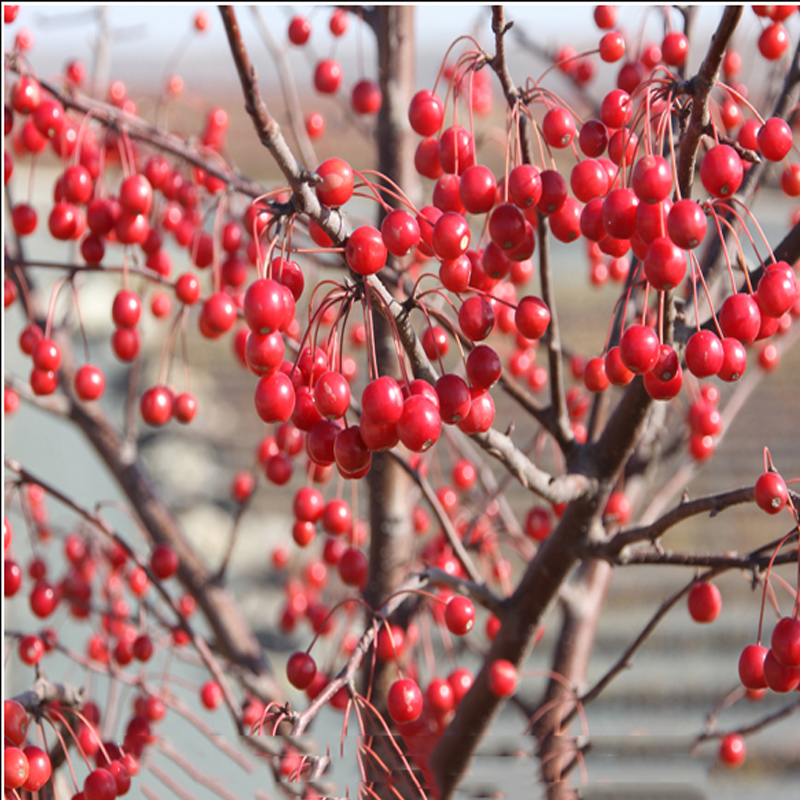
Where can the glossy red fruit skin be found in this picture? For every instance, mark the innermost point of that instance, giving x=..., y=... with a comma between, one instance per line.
x=675, y=48
x=525, y=186
x=156, y=406
x=771, y=493
x=90, y=383
x=164, y=561
x=786, y=642
x=126, y=309
x=775, y=139
x=639, y=348
x=594, y=375
x=365, y=251
x=136, y=195
x=301, y=669
x=338, y=180
x=366, y=97
x=502, y=678
x=16, y=768
x=420, y=425
x=481, y=412
x=454, y=398
x=704, y=354
x=451, y=236
x=558, y=127
x=780, y=678
x=619, y=213
x=554, y=191
x=426, y=112
x=588, y=180
x=476, y=318
x=275, y=398
x=265, y=306
x=459, y=615
x=652, y=179
x=299, y=31
x=456, y=149
x=400, y=232
x=616, y=371
x=40, y=768
x=211, y=695
x=734, y=360
x=751, y=666
x=404, y=701
x=532, y=317
x=15, y=721
x=665, y=264
x=740, y=318
x=705, y=602
x=732, y=750
x=477, y=189
x=686, y=224
x=440, y=696
x=328, y=76
x=721, y=171
x=773, y=41
x=777, y=290
x=351, y=454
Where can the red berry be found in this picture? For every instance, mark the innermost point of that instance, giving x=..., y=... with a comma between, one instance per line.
x=740, y=318
x=459, y=615
x=301, y=669
x=732, y=750
x=366, y=97
x=786, y=642
x=773, y=41
x=90, y=383
x=456, y=150
x=164, y=561
x=664, y=264
x=704, y=354
x=39, y=768
x=404, y=701
x=734, y=360
x=365, y=251
x=299, y=30
x=605, y=17
x=721, y=171
x=502, y=678
x=705, y=602
x=775, y=139
x=476, y=318
x=686, y=224
x=426, y=112
x=771, y=493
x=211, y=695
x=336, y=187
x=400, y=232
x=15, y=762
x=751, y=667
x=675, y=48
x=779, y=677
x=532, y=317
x=156, y=406
x=15, y=721
x=639, y=348
x=558, y=127
x=612, y=47
x=328, y=76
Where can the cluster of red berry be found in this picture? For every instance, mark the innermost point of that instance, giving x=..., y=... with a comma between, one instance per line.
x=625, y=195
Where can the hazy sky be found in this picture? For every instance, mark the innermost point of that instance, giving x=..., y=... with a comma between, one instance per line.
x=146, y=36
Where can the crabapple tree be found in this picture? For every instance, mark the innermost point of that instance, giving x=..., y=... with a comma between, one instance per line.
x=447, y=460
